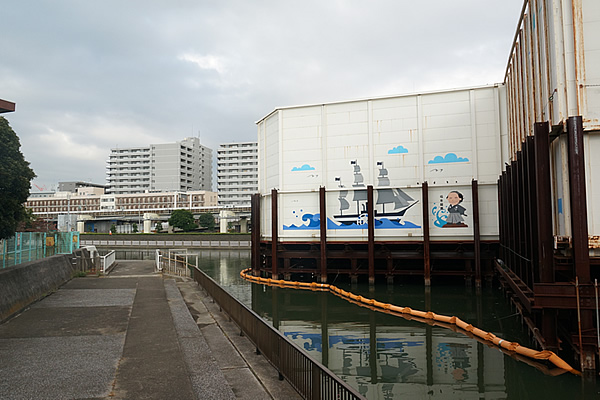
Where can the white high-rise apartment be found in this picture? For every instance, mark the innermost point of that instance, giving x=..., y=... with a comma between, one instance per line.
x=237, y=173
x=181, y=166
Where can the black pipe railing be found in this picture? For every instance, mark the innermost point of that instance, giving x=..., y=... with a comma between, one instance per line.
x=311, y=379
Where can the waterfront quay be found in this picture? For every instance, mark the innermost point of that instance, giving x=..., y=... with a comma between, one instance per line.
x=131, y=335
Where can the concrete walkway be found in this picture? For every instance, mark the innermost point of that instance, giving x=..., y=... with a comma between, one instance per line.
x=131, y=336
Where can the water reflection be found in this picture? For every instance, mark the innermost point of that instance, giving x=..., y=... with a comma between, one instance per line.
x=390, y=357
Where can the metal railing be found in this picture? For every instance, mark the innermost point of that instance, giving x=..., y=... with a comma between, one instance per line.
x=31, y=246
x=107, y=261
x=310, y=378
x=174, y=263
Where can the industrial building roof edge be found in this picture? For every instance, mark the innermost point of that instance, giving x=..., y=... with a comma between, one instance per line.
x=492, y=85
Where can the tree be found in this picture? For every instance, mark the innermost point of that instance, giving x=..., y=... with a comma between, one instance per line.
x=158, y=227
x=113, y=229
x=135, y=228
x=207, y=220
x=182, y=219
x=15, y=181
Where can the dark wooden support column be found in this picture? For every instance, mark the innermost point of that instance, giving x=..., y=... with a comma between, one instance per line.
x=579, y=225
x=502, y=214
x=371, y=233
x=274, y=235
x=255, y=236
x=545, y=245
x=512, y=223
x=519, y=222
x=526, y=215
x=532, y=207
x=323, y=235
x=426, y=238
x=476, y=232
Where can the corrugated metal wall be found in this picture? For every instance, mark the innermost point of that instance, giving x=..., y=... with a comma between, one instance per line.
x=553, y=69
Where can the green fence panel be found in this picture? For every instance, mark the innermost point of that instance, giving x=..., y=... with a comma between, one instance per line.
x=30, y=246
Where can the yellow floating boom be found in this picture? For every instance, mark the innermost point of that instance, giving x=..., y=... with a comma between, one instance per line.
x=431, y=316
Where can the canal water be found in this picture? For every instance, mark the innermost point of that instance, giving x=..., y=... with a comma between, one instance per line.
x=389, y=357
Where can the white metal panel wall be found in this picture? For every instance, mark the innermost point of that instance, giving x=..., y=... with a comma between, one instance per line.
x=592, y=175
x=446, y=138
x=591, y=38
x=554, y=68
x=302, y=162
x=268, y=153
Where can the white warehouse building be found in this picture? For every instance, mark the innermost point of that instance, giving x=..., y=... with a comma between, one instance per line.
x=180, y=166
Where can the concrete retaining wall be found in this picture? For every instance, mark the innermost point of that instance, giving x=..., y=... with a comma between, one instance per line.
x=26, y=283
x=168, y=241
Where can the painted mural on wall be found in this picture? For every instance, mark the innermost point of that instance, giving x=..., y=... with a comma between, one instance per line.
x=450, y=214
x=391, y=205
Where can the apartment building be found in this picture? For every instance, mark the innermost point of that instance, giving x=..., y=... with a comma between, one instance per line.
x=184, y=165
x=237, y=173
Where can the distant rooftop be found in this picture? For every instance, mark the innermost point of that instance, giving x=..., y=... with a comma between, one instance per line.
x=6, y=106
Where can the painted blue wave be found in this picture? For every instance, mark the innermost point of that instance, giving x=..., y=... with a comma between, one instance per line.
x=314, y=222
x=382, y=223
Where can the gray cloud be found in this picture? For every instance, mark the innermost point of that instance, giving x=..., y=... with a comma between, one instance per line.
x=89, y=76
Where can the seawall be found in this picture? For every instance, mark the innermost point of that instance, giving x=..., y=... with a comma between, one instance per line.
x=167, y=241
x=27, y=283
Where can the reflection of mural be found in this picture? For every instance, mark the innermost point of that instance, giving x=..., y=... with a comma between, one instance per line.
x=452, y=217
x=454, y=358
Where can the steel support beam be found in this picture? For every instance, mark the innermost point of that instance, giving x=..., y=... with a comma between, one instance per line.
x=545, y=244
x=323, y=234
x=426, y=237
x=476, y=232
x=255, y=236
x=579, y=225
x=371, y=233
x=274, y=235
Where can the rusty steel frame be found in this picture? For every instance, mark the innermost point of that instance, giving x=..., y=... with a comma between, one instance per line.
x=274, y=235
x=426, y=238
x=323, y=234
x=530, y=265
x=579, y=225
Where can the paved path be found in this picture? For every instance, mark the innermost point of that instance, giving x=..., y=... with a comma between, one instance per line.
x=130, y=336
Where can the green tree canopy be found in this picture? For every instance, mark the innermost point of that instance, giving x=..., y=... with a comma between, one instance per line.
x=15, y=181
x=182, y=219
x=207, y=220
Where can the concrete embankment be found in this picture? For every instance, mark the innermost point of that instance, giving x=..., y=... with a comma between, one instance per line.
x=168, y=241
x=26, y=283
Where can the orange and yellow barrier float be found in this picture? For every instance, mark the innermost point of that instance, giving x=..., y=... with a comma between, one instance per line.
x=422, y=316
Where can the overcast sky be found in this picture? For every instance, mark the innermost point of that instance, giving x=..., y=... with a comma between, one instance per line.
x=91, y=75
